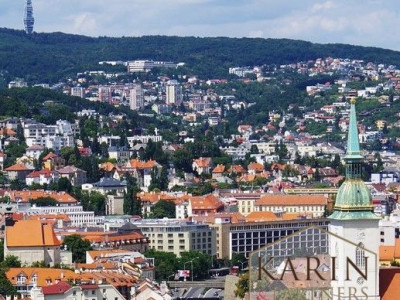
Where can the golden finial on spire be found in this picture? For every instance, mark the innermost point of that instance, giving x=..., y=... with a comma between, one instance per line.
x=353, y=100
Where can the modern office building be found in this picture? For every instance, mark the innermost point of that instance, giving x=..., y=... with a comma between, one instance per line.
x=246, y=237
x=29, y=21
x=178, y=236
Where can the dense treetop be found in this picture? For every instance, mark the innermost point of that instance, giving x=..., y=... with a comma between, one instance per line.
x=50, y=56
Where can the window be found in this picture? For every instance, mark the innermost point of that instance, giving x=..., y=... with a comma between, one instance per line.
x=93, y=292
x=21, y=279
x=360, y=256
x=34, y=278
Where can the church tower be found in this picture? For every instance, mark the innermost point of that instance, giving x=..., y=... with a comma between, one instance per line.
x=353, y=220
x=28, y=17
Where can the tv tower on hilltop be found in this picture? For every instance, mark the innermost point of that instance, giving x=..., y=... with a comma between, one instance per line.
x=28, y=18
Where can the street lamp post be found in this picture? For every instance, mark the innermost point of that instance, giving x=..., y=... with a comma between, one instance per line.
x=191, y=262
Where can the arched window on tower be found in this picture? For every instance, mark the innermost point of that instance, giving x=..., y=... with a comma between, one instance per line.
x=360, y=256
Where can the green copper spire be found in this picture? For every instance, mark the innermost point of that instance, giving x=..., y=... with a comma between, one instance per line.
x=353, y=200
x=353, y=145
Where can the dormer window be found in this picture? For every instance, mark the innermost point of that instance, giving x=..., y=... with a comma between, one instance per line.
x=21, y=279
x=34, y=278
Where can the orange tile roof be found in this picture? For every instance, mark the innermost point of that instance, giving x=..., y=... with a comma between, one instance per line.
x=102, y=237
x=386, y=253
x=138, y=164
x=237, y=169
x=107, y=166
x=25, y=196
x=207, y=202
x=155, y=197
x=18, y=167
x=8, y=132
x=247, y=178
x=295, y=216
x=219, y=169
x=63, y=217
x=203, y=162
x=31, y=233
x=279, y=199
x=95, y=254
x=261, y=216
x=278, y=167
x=112, y=277
x=393, y=290
x=43, y=275
x=97, y=265
x=50, y=156
x=235, y=217
x=256, y=167
x=397, y=248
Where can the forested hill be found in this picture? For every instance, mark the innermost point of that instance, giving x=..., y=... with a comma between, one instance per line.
x=50, y=56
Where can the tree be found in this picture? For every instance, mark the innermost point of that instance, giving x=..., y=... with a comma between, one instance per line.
x=254, y=149
x=132, y=204
x=166, y=263
x=1, y=250
x=94, y=201
x=291, y=295
x=237, y=258
x=242, y=286
x=77, y=246
x=163, y=209
x=317, y=175
x=183, y=160
x=10, y=261
x=64, y=184
x=201, y=263
x=44, y=201
x=6, y=288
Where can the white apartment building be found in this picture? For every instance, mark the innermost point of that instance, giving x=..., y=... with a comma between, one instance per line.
x=178, y=236
x=147, y=65
x=110, y=140
x=77, y=215
x=78, y=91
x=17, y=84
x=136, y=97
x=173, y=93
x=143, y=139
x=50, y=136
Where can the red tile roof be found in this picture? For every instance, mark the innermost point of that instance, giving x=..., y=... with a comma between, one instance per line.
x=17, y=168
x=56, y=289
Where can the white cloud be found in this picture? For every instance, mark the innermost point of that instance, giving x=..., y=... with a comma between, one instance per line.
x=365, y=22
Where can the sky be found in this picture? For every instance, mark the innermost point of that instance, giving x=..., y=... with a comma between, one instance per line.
x=356, y=22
